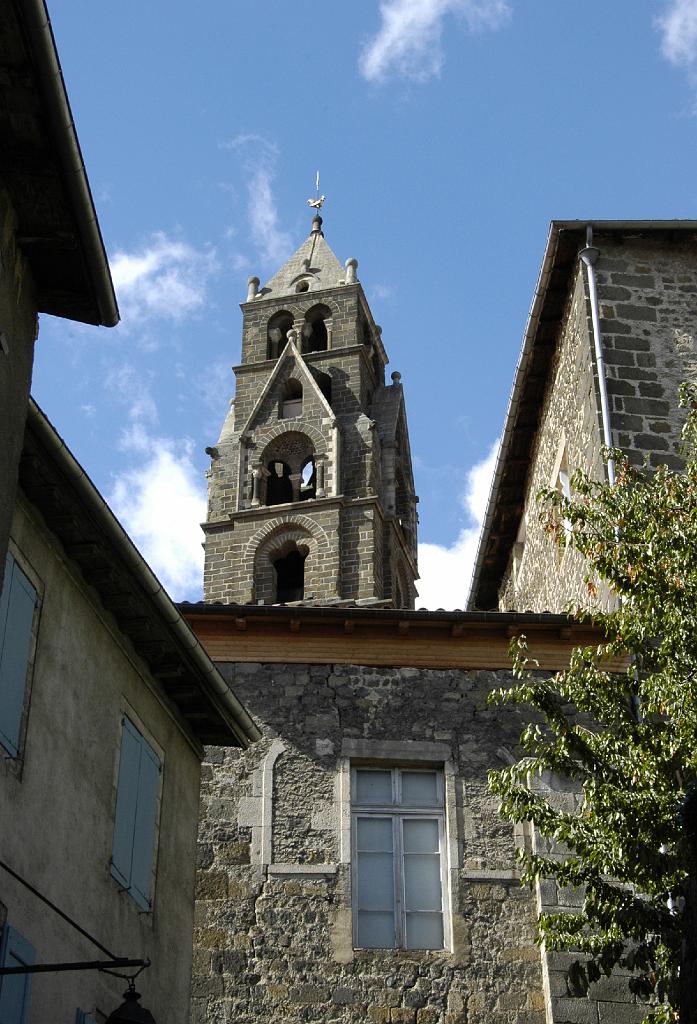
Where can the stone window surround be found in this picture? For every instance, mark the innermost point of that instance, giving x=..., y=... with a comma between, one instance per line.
x=256, y=812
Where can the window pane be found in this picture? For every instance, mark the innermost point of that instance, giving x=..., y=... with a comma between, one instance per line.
x=375, y=881
x=373, y=787
x=421, y=835
x=374, y=834
x=420, y=789
x=376, y=931
x=424, y=931
x=422, y=881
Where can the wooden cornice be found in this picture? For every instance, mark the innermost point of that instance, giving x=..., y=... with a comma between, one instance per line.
x=383, y=637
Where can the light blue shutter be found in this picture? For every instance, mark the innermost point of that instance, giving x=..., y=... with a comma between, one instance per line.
x=17, y=607
x=144, y=837
x=135, y=821
x=83, y=1017
x=14, y=988
x=126, y=804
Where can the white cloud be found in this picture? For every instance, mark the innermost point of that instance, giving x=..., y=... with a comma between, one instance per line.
x=408, y=40
x=383, y=292
x=166, y=279
x=446, y=571
x=678, y=28
x=132, y=388
x=161, y=504
x=274, y=244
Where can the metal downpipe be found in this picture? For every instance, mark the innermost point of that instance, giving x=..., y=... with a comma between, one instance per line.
x=589, y=257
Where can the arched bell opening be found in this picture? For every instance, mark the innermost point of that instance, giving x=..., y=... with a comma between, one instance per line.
x=308, y=479
x=277, y=331
x=315, y=334
x=289, y=573
x=279, y=487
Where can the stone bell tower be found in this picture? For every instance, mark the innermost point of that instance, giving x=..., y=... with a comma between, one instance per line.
x=311, y=494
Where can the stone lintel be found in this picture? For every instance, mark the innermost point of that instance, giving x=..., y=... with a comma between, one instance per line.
x=309, y=870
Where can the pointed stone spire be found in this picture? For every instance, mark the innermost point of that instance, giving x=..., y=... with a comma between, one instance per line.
x=311, y=267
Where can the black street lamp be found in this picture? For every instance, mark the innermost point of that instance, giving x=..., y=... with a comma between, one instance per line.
x=130, y=1012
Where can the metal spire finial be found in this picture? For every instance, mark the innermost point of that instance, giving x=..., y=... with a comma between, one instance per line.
x=317, y=202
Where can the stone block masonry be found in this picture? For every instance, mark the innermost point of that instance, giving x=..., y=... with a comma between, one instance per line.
x=320, y=470
x=274, y=937
x=646, y=291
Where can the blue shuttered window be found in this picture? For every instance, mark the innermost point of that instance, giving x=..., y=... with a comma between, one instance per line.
x=83, y=1017
x=135, y=821
x=15, y=951
x=17, y=606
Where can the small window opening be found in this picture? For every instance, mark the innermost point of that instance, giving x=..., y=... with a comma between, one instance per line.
x=292, y=400
x=519, y=550
x=279, y=325
x=564, y=488
x=308, y=480
x=290, y=577
x=279, y=489
x=302, y=286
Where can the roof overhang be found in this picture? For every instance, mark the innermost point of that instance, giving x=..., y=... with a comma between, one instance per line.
x=507, y=495
x=41, y=167
x=382, y=637
x=93, y=539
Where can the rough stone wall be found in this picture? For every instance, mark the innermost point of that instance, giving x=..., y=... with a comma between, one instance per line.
x=18, y=330
x=362, y=551
x=273, y=936
x=646, y=291
x=539, y=576
x=230, y=550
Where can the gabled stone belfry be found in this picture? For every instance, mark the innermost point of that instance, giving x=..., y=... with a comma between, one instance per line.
x=311, y=493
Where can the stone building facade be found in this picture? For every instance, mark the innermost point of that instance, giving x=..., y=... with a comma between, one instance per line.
x=646, y=276
x=106, y=702
x=319, y=900
x=281, y=893
x=311, y=493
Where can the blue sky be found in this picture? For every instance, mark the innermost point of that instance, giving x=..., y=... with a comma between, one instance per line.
x=448, y=133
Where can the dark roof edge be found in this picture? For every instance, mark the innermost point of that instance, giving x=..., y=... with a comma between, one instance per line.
x=218, y=691
x=625, y=225
x=269, y=611
x=518, y=380
x=47, y=65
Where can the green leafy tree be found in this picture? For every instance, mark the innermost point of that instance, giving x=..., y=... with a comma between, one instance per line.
x=626, y=741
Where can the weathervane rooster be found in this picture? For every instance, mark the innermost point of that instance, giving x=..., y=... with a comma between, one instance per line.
x=317, y=202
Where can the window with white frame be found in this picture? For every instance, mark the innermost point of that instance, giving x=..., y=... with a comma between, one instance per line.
x=398, y=837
